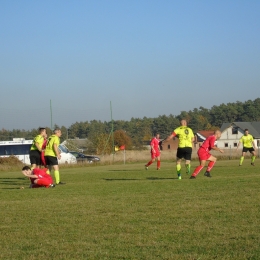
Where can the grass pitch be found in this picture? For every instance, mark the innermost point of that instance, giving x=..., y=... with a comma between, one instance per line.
x=126, y=212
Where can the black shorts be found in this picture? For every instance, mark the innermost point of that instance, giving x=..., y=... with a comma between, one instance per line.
x=35, y=157
x=248, y=149
x=184, y=152
x=51, y=160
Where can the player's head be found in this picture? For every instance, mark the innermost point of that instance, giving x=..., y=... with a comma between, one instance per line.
x=157, y=135
x=42, y=130
x=183, y=122
x=217, y=133
x=57, y=132
x=246, y=131
x=26, y=169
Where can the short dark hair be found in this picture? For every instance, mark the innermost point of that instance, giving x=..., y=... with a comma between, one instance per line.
x=245, y=130
x=41, y=129
x=26, y=168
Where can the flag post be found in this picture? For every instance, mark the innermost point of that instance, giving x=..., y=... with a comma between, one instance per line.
x=124, y=156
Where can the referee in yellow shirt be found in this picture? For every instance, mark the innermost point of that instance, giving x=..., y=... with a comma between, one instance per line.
x=36, y=148
x=248, y=146
x=52, y=154
x=186, y=138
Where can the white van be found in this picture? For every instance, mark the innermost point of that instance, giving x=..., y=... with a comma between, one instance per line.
x=67, y=158
x=20, y=148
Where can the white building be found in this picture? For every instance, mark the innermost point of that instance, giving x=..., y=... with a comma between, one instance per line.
x=232, y=132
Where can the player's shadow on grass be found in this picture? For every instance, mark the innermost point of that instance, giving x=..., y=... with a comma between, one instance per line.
x=17, y=188
x=13, y=181
x=160, y=178
x=122, y=179
x=123, y=170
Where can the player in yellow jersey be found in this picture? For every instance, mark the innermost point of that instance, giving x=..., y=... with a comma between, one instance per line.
x=52, y=154
x=248, y=146
x=186, y=138
x=36, y=148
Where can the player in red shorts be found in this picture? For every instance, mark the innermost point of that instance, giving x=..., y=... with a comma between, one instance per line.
x=39, y=177
x=155, y=152
x=204, y=155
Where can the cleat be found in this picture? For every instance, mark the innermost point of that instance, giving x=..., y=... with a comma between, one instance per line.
x=207, y=174
x=179, y=177
x=240, y=164
x=192, y=177
x=60, y=183
x=51, y=186
x=146, y=167
x=158, y=168
x=253, y=164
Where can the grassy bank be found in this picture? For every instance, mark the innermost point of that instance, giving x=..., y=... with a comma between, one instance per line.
x=125, y=212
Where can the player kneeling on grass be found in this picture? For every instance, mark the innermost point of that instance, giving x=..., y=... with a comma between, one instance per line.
x=39, y=177
x=204, y=155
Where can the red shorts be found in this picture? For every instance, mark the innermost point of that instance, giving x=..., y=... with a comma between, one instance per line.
x=155, y=154
x=203, y=154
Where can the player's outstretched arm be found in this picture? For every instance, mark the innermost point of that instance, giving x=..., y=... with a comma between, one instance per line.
x=217, y=149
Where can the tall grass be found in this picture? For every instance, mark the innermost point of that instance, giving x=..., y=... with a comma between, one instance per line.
x=125, y=212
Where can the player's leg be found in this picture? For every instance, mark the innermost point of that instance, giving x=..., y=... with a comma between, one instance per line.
x=179, y=156
x=38, y=159
x=187, y=157
x=212, y=160
x=45, y=182
x=158, y=162
x=55, y=165
x=242, y=157
x=151, y=161
x=187, y=165
x=253, y=157
x=48, y=164
x=198, y=169
x=34, y=184
x=203, y=157
x=34, y=160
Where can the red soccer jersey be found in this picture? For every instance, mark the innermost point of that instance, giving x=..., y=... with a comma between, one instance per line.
x=42, y=153
x=155, y=143
x=41, y=173
x=209, y=143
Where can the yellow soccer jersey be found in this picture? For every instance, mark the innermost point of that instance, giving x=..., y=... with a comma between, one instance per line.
x=38, y=139
x=49, y=151
x=185, y=135
x=247, y=140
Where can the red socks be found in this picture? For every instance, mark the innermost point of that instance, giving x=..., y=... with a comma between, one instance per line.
x=197, y=170
x=210, y=166
x=158, y=164
x=149, y=163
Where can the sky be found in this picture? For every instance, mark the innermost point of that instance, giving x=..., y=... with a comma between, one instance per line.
x=63, y=62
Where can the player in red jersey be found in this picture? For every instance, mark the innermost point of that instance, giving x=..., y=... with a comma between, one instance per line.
x=42, y=152
x=155, y=152
x=204, y=155
x=39, y=177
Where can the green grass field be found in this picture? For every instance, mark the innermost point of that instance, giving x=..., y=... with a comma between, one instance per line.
x=126, y=212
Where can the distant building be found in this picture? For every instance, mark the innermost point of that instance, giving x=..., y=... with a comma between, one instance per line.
x=232, y=132
x=201, y=136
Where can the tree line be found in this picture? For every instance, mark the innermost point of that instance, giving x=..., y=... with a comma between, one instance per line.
x=136, y=131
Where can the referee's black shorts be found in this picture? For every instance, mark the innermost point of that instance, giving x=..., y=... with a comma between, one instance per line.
x=51, y=160
x=248, y=149
x=184, y=152
x=35, y=157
